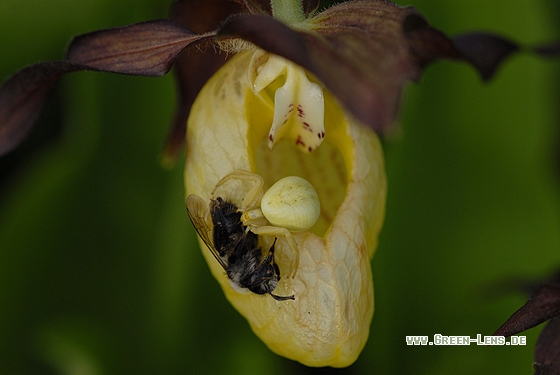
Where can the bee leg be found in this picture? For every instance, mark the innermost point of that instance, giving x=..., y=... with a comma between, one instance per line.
x=282, y=232
x=294, y=252
x=270, y=258
x=282, y=298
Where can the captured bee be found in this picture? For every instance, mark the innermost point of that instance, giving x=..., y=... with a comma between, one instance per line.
x=289, y=206
x=234, y=246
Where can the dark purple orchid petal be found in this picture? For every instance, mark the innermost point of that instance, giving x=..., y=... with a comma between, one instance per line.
x=364, y=52
x=310, y=6
x=195, y=66
x=270, y=34
x=358, y=51
x=24, y=96
x=547, y=349
x=543, y=305
x=202, y=16
x=426, y=43
x=147, y=48
x=551, y=50
x=485, y=51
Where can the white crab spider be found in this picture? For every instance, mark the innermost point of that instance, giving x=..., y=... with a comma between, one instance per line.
x=290, y=205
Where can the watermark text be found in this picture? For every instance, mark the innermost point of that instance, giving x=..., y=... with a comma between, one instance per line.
x=438, y=339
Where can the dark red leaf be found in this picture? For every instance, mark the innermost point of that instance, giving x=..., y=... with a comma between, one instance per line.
x=485, y=51
x=543, y=305
x=23, y=97
x=547, y=349
x=147, y=48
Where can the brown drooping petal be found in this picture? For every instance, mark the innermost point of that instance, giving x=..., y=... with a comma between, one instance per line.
x=364, y=52
x=196, y=65
x=202, y=16
x=427, y=44
x=485, y=51
x=548, y=50
x=547, y=349
x=364, y=62
x=147, y=48
x=269, y=34
x=543, y=305
x=23, y=97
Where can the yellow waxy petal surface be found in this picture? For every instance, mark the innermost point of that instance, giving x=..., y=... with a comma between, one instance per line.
x=328, y=322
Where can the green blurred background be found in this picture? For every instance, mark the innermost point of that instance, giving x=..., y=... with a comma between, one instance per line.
x=100, y=272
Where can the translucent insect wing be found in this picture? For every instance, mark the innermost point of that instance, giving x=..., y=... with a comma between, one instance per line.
x=197, y=209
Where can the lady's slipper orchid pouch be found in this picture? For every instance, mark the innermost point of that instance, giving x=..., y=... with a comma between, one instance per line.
x=328, y=322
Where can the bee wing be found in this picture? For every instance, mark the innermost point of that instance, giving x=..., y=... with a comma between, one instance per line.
x=197, y=209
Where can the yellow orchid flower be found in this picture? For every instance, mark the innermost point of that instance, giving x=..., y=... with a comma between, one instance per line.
x=279, y=90
x=229, y=129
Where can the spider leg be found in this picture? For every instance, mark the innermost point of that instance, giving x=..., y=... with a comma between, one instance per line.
x=253, y=197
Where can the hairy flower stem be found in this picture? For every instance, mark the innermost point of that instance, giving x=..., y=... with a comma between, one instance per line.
x=288, y=11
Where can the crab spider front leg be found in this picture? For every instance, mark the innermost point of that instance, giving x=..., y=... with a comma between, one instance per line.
x=253, y=197
x=250, y=205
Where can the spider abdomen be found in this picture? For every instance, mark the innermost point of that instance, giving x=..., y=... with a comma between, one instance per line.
x=291, y=203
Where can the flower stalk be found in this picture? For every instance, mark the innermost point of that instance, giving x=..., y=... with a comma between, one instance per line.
x=288, y=11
